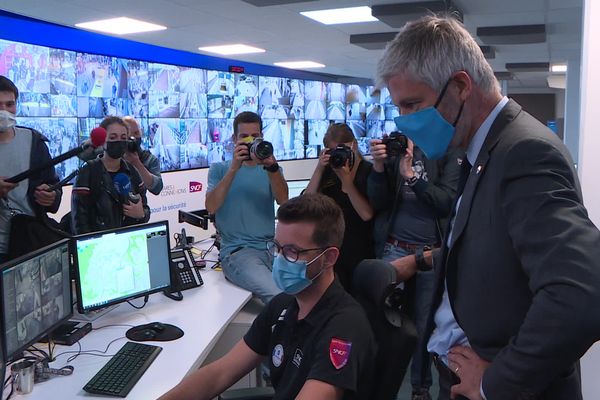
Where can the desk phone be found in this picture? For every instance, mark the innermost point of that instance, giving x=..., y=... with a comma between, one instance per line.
x=185, y=273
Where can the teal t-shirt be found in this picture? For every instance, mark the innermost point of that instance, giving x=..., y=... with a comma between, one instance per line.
x=246, y=218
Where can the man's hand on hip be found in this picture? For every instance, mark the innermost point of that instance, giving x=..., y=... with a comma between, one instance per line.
x=469, y=367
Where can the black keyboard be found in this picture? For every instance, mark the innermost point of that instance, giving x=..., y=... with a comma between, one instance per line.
x=123, y=370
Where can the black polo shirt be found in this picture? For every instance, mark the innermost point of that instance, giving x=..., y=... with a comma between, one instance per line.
x=333, y=344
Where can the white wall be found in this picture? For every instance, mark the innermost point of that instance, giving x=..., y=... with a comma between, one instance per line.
x=589, y=162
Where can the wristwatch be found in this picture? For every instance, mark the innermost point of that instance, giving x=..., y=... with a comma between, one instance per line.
x=272, y=168
x=412, y=180
x=420, y=260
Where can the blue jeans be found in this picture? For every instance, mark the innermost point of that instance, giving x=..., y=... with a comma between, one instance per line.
x=250, y=269
x=423, y=297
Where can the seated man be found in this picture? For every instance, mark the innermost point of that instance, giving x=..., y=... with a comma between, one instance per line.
x=318, y=342
x=240, y=194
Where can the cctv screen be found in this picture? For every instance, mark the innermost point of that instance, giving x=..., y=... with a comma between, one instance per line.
x=121, y=264
x=36, y=295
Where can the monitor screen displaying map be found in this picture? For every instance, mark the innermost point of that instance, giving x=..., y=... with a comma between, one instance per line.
x=121, y=264
x=36, y=296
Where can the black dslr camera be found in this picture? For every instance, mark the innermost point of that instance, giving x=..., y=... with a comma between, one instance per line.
x=395, y=144
x=260, y=148
x=339, y=156
x=133, y=146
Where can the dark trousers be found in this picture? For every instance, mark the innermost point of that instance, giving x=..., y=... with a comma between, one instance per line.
x=3, y=257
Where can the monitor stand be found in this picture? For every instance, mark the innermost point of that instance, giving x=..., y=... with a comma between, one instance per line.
x=92, y=315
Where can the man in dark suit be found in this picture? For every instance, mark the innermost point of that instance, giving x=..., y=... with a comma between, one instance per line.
x=517, y=279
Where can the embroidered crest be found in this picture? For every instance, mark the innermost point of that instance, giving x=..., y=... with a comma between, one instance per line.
x=277, y=356
x=339, y=352
x=297, y=360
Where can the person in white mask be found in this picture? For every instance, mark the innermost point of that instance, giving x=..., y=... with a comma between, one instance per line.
x=29, y=196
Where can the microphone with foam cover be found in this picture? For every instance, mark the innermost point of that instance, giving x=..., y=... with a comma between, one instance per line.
x=97, y=138
x=122, y=185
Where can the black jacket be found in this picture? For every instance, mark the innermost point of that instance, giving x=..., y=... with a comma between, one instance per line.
x=438, y=193
x=40, y=155
x=523, y=268
x=96, y=204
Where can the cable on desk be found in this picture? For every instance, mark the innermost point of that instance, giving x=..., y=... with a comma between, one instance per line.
x=33, y=349
x=110, y=325
x=139, y=307
x=90, y=352
x=12, y=388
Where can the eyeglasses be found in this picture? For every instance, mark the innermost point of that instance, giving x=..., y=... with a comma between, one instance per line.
x=288, y=251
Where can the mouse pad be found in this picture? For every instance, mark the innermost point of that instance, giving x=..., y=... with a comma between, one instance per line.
x=154, y=331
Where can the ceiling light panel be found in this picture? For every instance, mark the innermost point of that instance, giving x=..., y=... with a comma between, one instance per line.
x=299, y=64
x=341, y=15
x=231, y=49
x=120, y=26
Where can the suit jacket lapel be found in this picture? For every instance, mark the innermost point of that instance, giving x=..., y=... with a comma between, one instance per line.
x=506, y=115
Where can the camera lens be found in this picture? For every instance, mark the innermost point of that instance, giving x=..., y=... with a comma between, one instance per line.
x=396, y=144
x=337, y=160
x=132, y=146
x=261, y=149
x=340, y=155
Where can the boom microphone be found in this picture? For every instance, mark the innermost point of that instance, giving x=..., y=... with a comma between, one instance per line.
x=123, y=187
x=97, y=138
x=63, y=182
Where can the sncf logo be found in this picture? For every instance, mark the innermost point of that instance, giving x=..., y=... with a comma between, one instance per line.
x=195, y=187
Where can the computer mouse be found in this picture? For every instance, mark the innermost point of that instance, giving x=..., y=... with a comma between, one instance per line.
x=157, y=326
x=148, y=334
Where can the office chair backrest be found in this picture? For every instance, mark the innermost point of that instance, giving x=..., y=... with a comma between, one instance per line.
x=374, y=283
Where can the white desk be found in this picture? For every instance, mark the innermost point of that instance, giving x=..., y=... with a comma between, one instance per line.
x=203, y=315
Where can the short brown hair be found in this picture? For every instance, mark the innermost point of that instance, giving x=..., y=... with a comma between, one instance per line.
x=111, y=119
x=246, y=117
x=6, y=85
x=320, y=210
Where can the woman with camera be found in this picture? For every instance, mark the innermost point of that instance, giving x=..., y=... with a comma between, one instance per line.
x=342, y=174
x=109, y=192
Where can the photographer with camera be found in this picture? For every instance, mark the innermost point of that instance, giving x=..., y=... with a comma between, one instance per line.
x=109, y=192
x=412, y=196
x=143, y=160
x=342, y=174
x=240, y=193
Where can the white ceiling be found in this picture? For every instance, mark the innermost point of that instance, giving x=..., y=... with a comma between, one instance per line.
x=287, y=35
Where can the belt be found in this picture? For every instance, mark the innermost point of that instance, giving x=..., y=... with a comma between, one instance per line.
x=410, y=246
x=445, y=372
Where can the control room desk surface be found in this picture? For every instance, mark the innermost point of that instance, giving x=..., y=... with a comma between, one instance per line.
x=203, y=315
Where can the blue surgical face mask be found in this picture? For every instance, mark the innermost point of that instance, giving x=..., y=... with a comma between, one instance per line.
x=290, y=277
x=428, y=129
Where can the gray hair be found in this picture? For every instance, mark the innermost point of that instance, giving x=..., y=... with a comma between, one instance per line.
x=433, y=48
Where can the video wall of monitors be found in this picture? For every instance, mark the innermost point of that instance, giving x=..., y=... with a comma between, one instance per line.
x=186, y=113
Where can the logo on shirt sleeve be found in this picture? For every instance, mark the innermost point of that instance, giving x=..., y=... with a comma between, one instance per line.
x=339, y=352
x=277, y=356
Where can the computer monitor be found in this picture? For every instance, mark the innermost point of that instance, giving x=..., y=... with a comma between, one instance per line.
x=36, y=296
x=295, y=189
x=120, y=264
